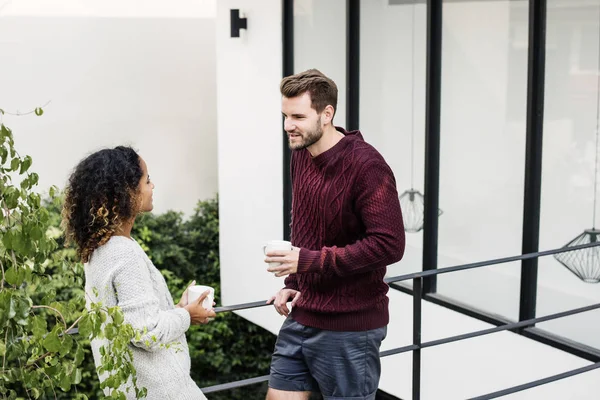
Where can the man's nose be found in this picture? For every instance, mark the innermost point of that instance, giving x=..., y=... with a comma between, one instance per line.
x=289, y=126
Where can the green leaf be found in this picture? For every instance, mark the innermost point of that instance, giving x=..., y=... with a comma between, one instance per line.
x=25, y=184
x=22, y=305
x=66, y=345
x=52, y=342
x=77, y=377
x=110, y=331
x=36, y=233
x=38, y=326
x=14, y=164
x=11, y=308
x=34, y=179
x=7, y=240
x=25, y=164
x=44, y=215
x=39, y=111
x=118, y=317
x=52, y=370
x=65, y=382
x=2, y=348
x=21, y=274
x=19, y=243
x=110, y=381
x=5, y=132
x=3, y=155
x=11, y=276
x=79, y=355
x=11, y=197
x=85, y=326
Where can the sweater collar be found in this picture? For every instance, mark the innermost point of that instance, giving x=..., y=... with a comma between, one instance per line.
x=326, y=156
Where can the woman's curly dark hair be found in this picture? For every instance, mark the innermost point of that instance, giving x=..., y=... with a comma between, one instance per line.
x=101, y=194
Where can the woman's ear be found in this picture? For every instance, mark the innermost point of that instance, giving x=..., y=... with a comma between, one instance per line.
x=136, y=202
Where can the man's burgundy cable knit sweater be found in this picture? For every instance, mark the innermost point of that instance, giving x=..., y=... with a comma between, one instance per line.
x=346, y=219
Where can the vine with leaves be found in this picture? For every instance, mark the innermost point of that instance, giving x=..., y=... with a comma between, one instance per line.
x=44, y=323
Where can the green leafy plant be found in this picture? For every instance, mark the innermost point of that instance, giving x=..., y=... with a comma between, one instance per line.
x=42, y=300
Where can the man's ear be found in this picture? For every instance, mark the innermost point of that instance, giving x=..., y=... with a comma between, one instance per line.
x=328, y=113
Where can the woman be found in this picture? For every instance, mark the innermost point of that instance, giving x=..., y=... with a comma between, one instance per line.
x=104, y=195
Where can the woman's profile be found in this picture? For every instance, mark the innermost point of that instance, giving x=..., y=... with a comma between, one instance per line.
x=104, y=194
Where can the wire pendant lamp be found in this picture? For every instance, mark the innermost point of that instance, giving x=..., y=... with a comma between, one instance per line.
x=585, y=263
x=412, y=202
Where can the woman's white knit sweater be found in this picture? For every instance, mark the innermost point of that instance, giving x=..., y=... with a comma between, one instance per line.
x=120, y=273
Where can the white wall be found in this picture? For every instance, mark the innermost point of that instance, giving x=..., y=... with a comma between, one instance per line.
x=249, y=149
x=147, y=82
x=110, y=8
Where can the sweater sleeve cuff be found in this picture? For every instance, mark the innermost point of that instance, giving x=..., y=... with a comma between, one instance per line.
x=184, y=315
x=308, y=261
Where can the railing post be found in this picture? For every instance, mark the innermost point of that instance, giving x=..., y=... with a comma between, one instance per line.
x=416, y=374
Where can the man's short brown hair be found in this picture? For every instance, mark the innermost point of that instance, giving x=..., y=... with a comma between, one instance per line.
x=322, y=90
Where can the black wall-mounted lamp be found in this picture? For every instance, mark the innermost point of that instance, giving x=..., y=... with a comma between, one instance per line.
x=237, y=23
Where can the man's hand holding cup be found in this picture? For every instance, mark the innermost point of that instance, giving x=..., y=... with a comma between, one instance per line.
x=282, y=257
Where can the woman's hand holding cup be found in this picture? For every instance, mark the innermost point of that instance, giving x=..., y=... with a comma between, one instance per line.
x=199, y=314
x=184, y=297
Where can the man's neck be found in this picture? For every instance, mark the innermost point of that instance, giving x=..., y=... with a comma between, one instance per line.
x=330, y=138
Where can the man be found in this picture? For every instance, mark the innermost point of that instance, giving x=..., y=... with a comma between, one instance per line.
x=346, y=228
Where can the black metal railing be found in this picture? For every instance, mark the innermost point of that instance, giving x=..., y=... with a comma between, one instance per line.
x=417, y=345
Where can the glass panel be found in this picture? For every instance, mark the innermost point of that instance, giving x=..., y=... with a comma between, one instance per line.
x=392, y=99
x=484, y=86
x=320, y=42
x=570, y=152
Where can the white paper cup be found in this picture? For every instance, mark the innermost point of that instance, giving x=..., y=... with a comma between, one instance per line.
x=195, y=292
x=274, y=245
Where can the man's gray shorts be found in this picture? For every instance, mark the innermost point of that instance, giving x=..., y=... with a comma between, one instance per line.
x=341, y=365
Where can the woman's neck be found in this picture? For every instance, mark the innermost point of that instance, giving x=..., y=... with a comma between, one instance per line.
x=125, y=228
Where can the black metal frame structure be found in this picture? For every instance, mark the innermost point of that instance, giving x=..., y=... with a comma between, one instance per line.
x=433, y=93
x=533, y=158
x=352, y=64
x=287, y=37
x=533, y=155
x=416, y=346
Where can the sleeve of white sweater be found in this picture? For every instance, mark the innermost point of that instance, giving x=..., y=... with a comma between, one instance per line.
x=139, y=303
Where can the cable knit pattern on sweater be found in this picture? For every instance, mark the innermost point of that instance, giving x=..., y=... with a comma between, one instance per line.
x=346, y=219
x=121, y=274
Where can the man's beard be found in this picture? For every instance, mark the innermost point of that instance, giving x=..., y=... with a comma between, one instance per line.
x=308, y=138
